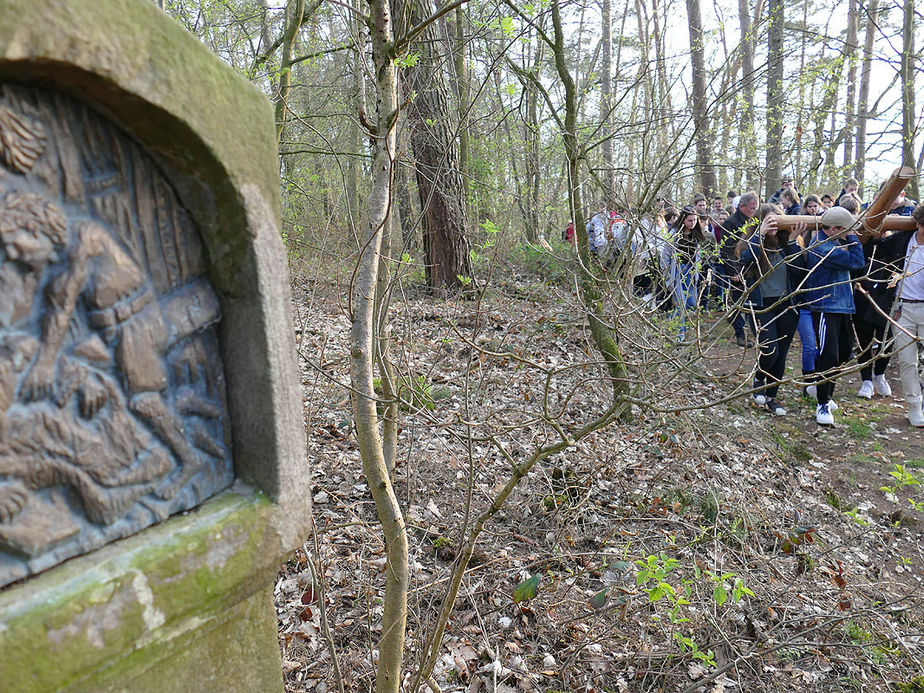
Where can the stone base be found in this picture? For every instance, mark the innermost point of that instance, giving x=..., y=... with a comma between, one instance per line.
x=186, y=605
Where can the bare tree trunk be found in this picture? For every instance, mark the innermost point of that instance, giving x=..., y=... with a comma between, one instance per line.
x=354, y=203
x=704, y=168
x=362, y=354
x=295, y=9
x=872, y=13
x=531, y=136
x=462, y=94
x=850, y=55
x=775, y=97
x=436, y=155
x=649, y=106
x=664, y=90
x=801, y=109
x=747, y=149
x=602, y=334
x=606, y=91
x=907, y=80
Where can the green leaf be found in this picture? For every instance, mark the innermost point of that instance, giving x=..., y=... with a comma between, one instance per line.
x=621, y=566
x=598, y=601
x=527, y=589
x=719, y=594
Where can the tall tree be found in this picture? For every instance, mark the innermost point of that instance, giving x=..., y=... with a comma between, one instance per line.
x=436, y=156
x=775, y=96
x=460, y=63
x=850, y=55
x=606, y=91
x=359, y=104
x=747, y=149
x=907, y=82
x=704, y=168
x=872, y=15
x=364, y=336
x=295, y=9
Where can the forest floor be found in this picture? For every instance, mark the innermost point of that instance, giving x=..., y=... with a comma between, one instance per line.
x=700, y=546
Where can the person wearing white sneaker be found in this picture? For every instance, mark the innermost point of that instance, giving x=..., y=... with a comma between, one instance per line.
x=832, y=253
x=874, y=299
x=823, y=415
x=905, y=251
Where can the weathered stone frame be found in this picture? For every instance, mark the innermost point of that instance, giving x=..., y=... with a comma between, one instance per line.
x=212, y=133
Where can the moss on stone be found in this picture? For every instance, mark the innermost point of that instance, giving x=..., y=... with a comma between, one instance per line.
x=139, y=602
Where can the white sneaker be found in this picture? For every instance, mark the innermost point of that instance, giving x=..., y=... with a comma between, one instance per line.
x=866, y=389
x=915, y=415
x=832, y=405
x=760, y=399
x=812, y=391
x=823, y=415
x=882, y=386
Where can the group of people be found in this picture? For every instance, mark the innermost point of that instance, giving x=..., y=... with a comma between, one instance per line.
x=775, y=279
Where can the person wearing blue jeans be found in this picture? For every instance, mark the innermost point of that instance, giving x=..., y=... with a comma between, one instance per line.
x=682, y=257
x=834, y=251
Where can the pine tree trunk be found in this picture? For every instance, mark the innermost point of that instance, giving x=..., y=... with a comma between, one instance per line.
x=436, y=156
x=463, y=99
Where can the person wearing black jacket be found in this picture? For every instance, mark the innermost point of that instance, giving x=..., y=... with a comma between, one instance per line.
x=736, y=228
x=873, y=297
x=774, y=267
x=902, y=253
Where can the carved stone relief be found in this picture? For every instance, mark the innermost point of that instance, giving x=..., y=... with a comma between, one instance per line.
x=112, y=396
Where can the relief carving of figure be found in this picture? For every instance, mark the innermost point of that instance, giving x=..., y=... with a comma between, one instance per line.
x=111, y=391
x=122, y=308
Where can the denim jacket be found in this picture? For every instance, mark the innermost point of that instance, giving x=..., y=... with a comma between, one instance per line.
x=794, y=259
x=828, y=262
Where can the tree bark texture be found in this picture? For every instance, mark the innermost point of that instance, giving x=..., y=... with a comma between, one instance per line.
x=872, y=16
x=907, y=82
x=606, y=99
x=463, y=99
x=775, y=97
x=747, y=150
x=704, y=168
x=850, y=55
x=295, y=9
x=363, y=346
x=436, y=157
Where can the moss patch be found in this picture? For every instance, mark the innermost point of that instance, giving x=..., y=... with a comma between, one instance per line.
x=140, y=601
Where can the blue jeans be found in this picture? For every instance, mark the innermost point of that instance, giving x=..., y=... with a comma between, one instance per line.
x=809, y=345
x=685, y=293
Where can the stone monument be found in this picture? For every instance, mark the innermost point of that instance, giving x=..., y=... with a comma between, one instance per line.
x=150, y=407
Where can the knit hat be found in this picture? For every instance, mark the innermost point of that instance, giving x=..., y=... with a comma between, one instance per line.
x=837, y=216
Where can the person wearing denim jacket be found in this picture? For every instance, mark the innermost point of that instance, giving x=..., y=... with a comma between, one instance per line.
x=774, y=270
x=833, y=252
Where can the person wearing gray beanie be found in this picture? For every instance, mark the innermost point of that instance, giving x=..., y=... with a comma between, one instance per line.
x=833, y=252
